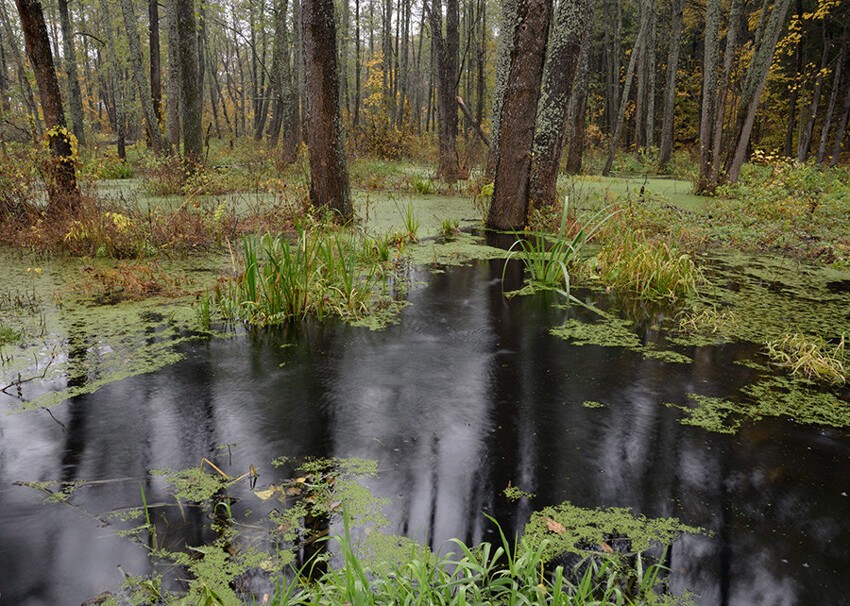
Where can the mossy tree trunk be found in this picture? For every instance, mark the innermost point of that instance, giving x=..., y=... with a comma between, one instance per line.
x=62, y=190
x=328, y=171
x=568, y=35
x=172, y=85
x=509, y=204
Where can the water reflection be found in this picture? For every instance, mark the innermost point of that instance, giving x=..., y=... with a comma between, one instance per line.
x=467, y=394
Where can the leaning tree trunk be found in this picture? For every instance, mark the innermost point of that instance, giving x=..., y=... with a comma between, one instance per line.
x=811, y=115
x=509, y=204
x=75, y=97
x=754, y=85
x=666, y=150
x=62, y=190
x=139, y=76
x=191, y=113
x=567, y=37
x=720, y=111
x=328, y=172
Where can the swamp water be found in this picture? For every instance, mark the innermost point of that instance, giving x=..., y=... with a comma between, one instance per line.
x=468, y=394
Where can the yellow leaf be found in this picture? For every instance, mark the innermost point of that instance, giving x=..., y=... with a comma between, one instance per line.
x=265, y=495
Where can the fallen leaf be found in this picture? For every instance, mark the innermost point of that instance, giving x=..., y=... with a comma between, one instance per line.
x=554, y=526
x=265, y=495
x=607, y=548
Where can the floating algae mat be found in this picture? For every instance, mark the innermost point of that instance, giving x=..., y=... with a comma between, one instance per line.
x=77, y=332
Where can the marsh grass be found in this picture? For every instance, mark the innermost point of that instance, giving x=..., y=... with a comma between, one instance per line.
x=548, y=259
x=651, y=268
x=484, y=574
x=811, y=357
x=323, y=272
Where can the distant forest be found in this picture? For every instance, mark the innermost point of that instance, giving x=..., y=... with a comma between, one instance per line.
x=542, y=81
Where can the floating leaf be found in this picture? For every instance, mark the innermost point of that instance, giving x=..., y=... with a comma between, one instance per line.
x=265, y=495
x=554, y=526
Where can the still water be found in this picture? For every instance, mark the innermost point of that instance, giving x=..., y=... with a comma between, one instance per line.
x=468, y=393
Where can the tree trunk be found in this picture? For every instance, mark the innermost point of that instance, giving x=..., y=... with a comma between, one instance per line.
x=156, y=64
x=328, y=172
x=280, y=72
x=173, y=83
x=650, y=44
x=568, y=35
x=666, y=150
x=446, y=50
x=795, y=89
x=191, y=113
x=805, y=142
x=503, y=64
x=62, y=190
x=139, y=76
x=841, y=131
x=720, y=111
x=709, y=95
x=751, y=95
x=833, y=95
x=509, y=204
x=75, y=97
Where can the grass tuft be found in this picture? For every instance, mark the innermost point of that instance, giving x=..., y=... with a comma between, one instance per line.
x=811, y=357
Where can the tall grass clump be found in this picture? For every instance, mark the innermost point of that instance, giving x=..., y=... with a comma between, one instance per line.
x=651, y=268
x=321, y=273
x=483, y=574
x=548, y=258
x=811, y=357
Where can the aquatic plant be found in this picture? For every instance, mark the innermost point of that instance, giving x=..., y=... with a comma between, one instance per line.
x=651, y=268
x=547, y=260
x=323, y=272
x=811, y=357
x=449, y=228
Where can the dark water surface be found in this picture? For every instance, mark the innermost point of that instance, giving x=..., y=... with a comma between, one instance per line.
x=468, y=393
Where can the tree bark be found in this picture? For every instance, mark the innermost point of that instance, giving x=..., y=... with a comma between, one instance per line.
x=568, y=35
x=579, y=115
x=21, y=70
x=190, y=94
x=503, y=64
x=62, y=190
x=509, y=204
x=841, y=131
x=833, y=95
x=115, y=85
x=328, y=171
x=720, y=111
x=75, y=97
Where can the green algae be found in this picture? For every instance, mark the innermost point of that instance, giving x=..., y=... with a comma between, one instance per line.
x=570, y=529
x=461, y=250
x=613, y=332
x=593, y=404
x=72, y=343
x=515, y=493
x=771, y=396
